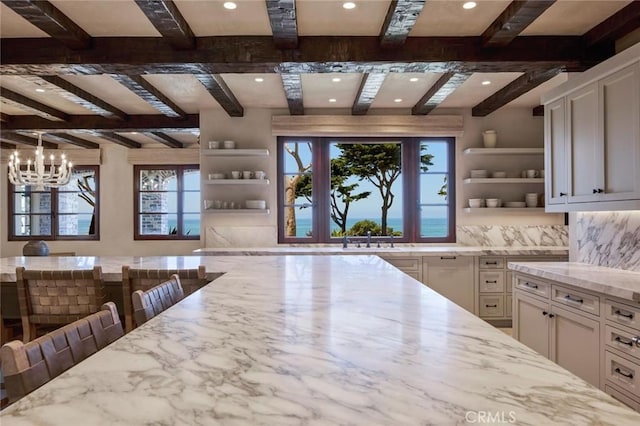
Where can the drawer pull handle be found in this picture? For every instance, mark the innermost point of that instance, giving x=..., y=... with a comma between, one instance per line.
x=636, y=340
x=627, y=375
x=490, y=263
x=619, y=313
x=551, y=315
x=447, y=257
x=563, y=194
x=491, y=282
x=545, y=313
x=623, y=341
x=570, y=298
x=530, y=285
x=491, y=306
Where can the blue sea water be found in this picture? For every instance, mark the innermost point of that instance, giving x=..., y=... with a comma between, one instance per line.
x=430, y=227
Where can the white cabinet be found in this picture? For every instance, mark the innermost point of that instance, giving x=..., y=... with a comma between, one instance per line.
x=592, y=138
x=411, y=266
x=452, y=277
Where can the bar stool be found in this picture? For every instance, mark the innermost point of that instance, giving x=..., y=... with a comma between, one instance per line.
x=150, y=303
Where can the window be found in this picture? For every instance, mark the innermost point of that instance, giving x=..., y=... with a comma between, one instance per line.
x=335, y=187
x=167, y=202
x=68, y=212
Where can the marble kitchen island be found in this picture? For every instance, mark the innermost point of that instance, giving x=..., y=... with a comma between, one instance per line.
x=310, y=340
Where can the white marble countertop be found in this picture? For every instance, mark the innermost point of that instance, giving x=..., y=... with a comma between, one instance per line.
x=385, y=250
x=613, y=282
x=314, y=340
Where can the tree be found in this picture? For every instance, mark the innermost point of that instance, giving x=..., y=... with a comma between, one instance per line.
x=88, y=195
x=291, y=187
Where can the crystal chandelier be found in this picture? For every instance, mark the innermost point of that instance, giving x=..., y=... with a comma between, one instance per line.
x=37, y=173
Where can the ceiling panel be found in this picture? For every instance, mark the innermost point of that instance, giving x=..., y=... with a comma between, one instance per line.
x=399, y=86
x=584, y=16
x=448, y=18
x=209, y=18
x=12, y=109
x=13, y=25
x=112, y=92
x=185, y=90
x=472, y=91
x=104, y=18
x=317, y=89
x=328, y=17
x=28, y=88
x=252, y=94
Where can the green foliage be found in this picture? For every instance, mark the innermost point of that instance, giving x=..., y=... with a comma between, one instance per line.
x=361, y=227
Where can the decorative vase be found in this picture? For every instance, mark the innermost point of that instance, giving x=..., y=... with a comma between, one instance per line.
x=489, y=138
x=35, y=248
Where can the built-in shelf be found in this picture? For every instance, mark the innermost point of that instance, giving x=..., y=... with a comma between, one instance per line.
x=237, y=182
x=504, y=151
x=494, y=210
x=236, y=152
x=503, y=180
x=239, y=211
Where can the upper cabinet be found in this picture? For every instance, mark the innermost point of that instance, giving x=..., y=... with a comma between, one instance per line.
x=592, y=138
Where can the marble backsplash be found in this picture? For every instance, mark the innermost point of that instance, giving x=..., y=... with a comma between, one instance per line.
x=512, y=236
x=610, y=239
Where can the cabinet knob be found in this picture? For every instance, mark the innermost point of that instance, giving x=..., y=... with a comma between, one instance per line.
x=563, y=194
x=545, y=313
x=636, y=340
x=600, y=190
x=551, y=315
x=595, y=191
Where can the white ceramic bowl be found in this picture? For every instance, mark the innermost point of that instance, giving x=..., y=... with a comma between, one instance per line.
x=479, y=174
x=229, y=144
x=215, y=176
x=475, y=203
x=499, y=174
x=256, y=204
x=494, y=202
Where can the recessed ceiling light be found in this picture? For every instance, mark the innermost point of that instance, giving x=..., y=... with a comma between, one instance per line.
x=336, y=79
x=469, y=5
x=40, y=90
x=229, y=5
x=349, y=5
x=134, y=133
x=486, y=83
x=332, y=100
x=413, y=79
x=397, y=100
x=259, y=79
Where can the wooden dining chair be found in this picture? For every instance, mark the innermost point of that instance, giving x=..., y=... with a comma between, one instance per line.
x=148, y=304
x=55, y=298
x=144, y=279
x=27, y=366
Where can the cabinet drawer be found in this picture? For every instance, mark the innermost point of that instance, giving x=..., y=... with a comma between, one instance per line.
x=622, y=397
x=492, y=306
x=491, y=282
x=492, y=263
x=405, y=264
x=508, y=306
x=623, y=373
x=622, y=314
x=532, y=285
x=576, y=299
x=629, y=343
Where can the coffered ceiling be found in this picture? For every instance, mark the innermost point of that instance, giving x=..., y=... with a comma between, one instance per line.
x=139, y=72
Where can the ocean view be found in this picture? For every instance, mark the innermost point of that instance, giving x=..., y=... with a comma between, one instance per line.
x=431, y=227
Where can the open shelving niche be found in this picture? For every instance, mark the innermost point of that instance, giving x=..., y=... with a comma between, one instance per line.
x=513, y=180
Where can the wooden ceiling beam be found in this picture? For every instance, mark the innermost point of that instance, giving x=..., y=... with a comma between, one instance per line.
x=217, y=87
x=400, y=19
x=74, y=140
x=119, y=139
x=437, y=93
x=5, y=118
x=164, y=139
x=369, y=87
x=513, y=20
x=513, y=90
x=167, y=19
x=9, y=146
x=258, y=54
x=66, y=90
x=135, y=123
x=292, y=85
x=49, y=19
x=617, y=25
x=538, y=111
x=145, y=90
x=24, y=139
x=284, y=26
x=30, y=105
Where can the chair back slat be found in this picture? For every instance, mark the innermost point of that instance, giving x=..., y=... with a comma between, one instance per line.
x=148, y=304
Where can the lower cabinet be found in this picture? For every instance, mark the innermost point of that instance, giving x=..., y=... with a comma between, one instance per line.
x=452, y=277
x=411, y=266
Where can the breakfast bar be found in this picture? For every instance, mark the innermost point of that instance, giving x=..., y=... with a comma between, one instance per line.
x=309, y=339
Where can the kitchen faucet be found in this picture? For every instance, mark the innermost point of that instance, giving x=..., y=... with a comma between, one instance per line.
x=345, y=240
x=368, y=239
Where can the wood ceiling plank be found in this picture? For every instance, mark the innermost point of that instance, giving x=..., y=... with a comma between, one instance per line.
x=617, y=25
x=119, y=139
x=513, y=20
x=135, y=123
x=284, y=26
x=538, y=111
x=292, y=85
x=166, y=17
x=369, y=88
x=400, y=19
x=74, y=140
x=73, y=93
x=24, y=139
x=164, y=139
x=49, y=19
x=217, y=87
x=513, y=90
x=31, y=105
x=5, y=117
x=145, y=90
x=258, y=54
x=438, y=92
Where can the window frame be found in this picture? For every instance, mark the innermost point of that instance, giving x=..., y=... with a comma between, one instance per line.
x=410, y=184
x=180, y=169
x=54, y=214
